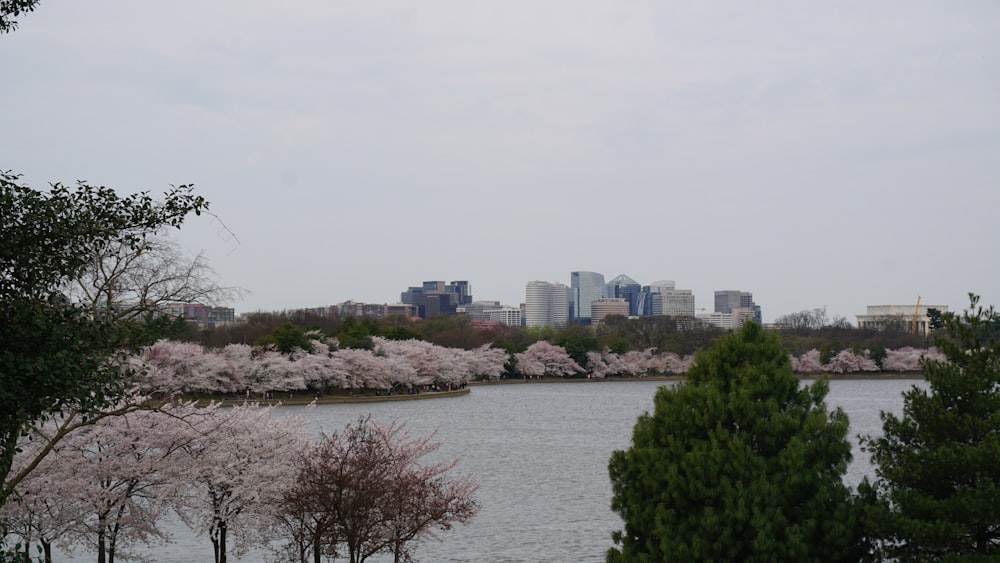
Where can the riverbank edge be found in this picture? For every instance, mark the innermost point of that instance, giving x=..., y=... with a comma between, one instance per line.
x=305, y=399
x=302, y=399
x=916, y=375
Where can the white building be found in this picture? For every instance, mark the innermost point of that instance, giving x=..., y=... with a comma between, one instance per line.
x=510, y=316
x=546, y=304
x=899, y=317
x=674, y=302
x=733, y=320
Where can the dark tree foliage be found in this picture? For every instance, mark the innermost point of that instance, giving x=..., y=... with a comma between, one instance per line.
x=53, y=355
x=739, y=463
x=938, y=465
x=801, y=340
x=286, y=338
x=10, y=9
x=451, y=331
x=577, y=340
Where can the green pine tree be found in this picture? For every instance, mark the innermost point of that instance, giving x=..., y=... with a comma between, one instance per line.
x=938, y=465
x=740, y=463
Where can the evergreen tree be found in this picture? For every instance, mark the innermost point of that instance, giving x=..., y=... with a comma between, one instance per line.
x=938, y=465
x=739, y=463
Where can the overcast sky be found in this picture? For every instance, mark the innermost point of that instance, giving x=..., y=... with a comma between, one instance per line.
x=836, y=154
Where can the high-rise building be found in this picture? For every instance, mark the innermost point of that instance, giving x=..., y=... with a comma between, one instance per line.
x=726, y=300
x=440, y=304
x=585, y=287
x=605, y=306
x=674, y=302
x=437, y=298
x=626, y=288
x=546, y=304
x=731, y=300
x=648, y=297
x=436, y=286
x=462, y=291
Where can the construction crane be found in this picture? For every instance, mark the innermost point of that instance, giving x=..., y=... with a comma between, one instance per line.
x=916, y=313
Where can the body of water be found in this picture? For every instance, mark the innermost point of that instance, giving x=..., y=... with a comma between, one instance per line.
x=539, y=453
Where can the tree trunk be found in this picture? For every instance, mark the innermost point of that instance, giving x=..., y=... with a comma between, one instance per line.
x=222, y=543
x=102, y=556
x=317, y=552
x=47, y=550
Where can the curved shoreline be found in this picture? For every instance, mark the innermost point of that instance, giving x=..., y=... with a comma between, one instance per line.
x=303, y=399
x=306, y=399
x=802, y=376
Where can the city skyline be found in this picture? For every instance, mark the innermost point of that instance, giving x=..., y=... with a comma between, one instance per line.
x=555, y=303
x=837, y=155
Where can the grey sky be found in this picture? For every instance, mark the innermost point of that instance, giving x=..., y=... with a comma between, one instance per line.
x=814, y=153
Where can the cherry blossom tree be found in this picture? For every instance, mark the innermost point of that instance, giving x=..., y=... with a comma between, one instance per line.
x=847, y=361
x=235, y=462
x=271, y=370
x=420, y=355
x=546, y=359
x=596, y=366
x=363, y=369
x=903, y=359
x=636, y=362
x=117, y=475
x=488, y=362
x=808, y=362
x=672, y=363
x=455, y=365
x=366, y=489
x=182, y=367
x=187, y=367
x=401, y=371
x=38, y=515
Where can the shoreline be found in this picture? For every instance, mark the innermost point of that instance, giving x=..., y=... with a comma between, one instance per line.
x=915, y=375
x=302, y=399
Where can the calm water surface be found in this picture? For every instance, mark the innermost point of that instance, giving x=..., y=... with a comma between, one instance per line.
x=539, y=453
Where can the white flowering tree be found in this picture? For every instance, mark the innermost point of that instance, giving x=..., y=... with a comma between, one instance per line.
x=235, y=465
x=848, y=361
x=544, y=359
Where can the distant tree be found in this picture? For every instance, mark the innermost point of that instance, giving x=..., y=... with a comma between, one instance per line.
x=808, y=363
x=878, y=355
x=935, y=319
x=545, y=359
x=739, y=463
x=807, y=319
x=849, y=361
x=829, y=351
x=287, y=338
x=903, y=359
x=640, y=333
x=577, y=340
x=938, y=464
x=451, y=331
